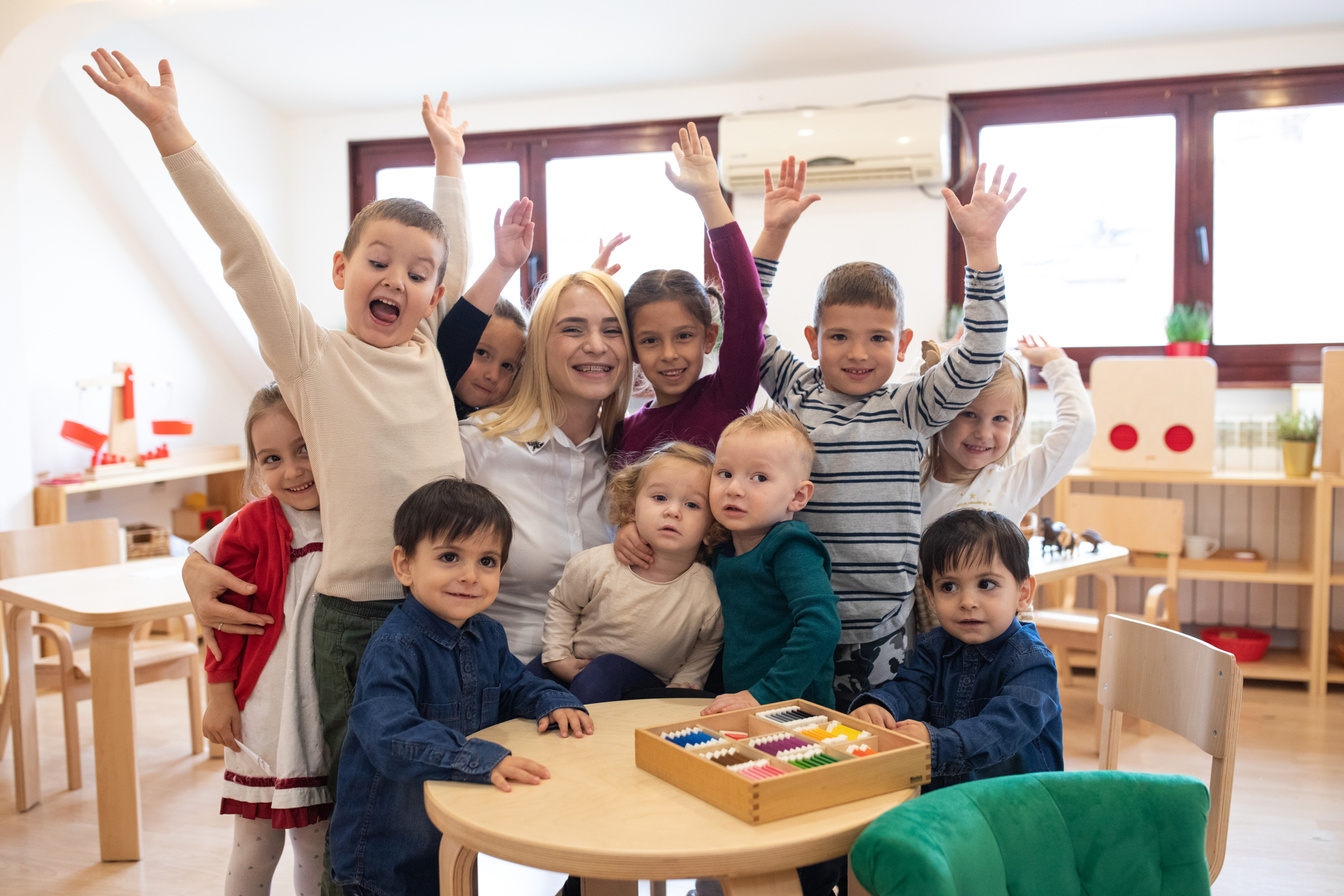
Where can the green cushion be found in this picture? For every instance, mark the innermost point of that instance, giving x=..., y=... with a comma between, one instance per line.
x=1100, y=833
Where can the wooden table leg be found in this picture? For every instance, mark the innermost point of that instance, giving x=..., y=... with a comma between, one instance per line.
x=457, y=869
x=772, y=883
x=114, y=743
x=22, y=704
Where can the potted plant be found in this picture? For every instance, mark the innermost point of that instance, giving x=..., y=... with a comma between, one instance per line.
x=1298, y=431
x=1189, y=329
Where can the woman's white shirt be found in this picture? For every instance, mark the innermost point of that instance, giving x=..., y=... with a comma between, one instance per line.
x=555, y=491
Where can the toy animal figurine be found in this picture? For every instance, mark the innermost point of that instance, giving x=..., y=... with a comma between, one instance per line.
x=1057, y=537
x=1028, y=525
x=1092, y=537
x=929, y=354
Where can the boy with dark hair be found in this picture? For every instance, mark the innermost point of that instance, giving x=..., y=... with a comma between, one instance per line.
x=436, y=672
x=871, y=436
x=982, y=688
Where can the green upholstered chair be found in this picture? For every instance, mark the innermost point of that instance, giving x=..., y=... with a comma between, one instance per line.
x=1101, y=833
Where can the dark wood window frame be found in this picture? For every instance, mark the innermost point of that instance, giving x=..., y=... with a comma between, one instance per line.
x=531, y=150
x=1193, y=102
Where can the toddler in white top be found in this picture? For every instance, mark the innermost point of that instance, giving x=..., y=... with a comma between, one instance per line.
x=610, y=628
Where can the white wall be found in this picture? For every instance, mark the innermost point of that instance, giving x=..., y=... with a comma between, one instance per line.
x=111, y=267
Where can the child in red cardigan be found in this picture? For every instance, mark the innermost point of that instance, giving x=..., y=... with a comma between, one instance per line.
x=262, y=699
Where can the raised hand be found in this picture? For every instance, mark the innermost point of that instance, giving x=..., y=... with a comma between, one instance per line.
x=1037, y=352
x=446, y=138
x=785, y=202
x=513, y=234
x=155, y=106
x=696, y=174
x=603, y=260
x=978, y=221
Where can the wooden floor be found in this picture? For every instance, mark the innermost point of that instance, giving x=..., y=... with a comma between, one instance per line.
x=1286, y=834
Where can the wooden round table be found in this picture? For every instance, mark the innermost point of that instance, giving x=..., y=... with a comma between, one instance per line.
x=602, y=818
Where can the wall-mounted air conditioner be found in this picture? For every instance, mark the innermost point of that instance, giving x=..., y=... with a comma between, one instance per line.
x=900, y=143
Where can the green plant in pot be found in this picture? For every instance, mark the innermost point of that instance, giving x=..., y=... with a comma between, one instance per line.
x=1298, y=431
x=1189, y=329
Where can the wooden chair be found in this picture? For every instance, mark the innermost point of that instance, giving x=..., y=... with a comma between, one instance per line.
x=65, y=546
x=1149, y=525
x=1183, y=684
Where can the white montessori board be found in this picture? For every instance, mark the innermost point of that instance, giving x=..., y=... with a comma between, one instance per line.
x=1153, y=413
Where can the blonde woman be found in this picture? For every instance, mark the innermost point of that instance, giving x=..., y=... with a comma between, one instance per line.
x=543, y=451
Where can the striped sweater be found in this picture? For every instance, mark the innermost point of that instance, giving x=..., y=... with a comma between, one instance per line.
x=866, y=505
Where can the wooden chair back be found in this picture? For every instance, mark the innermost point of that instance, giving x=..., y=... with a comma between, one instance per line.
x=56, y=548
x=1183, y=684
x=1147, y=525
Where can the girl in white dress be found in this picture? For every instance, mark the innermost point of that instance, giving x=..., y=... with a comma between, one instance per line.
x=262, y=701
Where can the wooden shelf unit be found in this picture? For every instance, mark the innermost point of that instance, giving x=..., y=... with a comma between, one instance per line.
x=1334, y=669
x=223, y=485
x=1313, y=570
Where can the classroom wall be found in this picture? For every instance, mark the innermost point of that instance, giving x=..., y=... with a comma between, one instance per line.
x=112, y=267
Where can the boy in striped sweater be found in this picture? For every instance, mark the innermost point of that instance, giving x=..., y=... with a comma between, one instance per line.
x=871, y=435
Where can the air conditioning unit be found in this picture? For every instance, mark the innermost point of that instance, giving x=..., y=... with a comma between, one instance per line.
x=895, y=144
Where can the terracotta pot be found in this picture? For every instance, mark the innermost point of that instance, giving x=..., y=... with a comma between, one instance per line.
x=1297, y=457
x=1187, y=349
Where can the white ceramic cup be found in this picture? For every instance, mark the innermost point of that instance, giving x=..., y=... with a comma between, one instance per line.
x=1197, y=547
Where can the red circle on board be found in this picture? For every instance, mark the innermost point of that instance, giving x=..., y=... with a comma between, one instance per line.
x=1179, y=438
x=1124, y=437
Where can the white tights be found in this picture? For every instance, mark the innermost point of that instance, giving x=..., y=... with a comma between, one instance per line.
x=256, y=852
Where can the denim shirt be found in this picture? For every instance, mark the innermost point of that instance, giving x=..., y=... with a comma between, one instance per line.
x=423, y=687
x=992, y=709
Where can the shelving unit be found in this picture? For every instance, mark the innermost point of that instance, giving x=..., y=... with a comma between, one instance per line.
x=1312, y=570
x=223, y=485
x=1334, y=669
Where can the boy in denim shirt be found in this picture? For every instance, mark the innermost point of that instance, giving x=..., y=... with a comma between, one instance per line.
x=436, y=672
x=981, y=689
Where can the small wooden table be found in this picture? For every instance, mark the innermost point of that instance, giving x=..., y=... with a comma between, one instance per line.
x=112, y=600
x=1052, y=568
x=601, y=817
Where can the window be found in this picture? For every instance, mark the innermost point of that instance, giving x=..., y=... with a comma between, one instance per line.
x=1216, y=190
x=585, y=183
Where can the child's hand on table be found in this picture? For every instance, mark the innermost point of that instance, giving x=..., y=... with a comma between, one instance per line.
x=568, y=720
x=913, y=728
x=874, y=714
x=730, y=702
x=631, y=549
x=516, y=768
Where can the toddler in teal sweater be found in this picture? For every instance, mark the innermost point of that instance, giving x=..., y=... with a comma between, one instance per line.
x=780, y=623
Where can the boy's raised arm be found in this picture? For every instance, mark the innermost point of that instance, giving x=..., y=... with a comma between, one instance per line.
x=444, y=136
x=784, y=205
x=156, y=107
x=450, y=202
x=978, y=221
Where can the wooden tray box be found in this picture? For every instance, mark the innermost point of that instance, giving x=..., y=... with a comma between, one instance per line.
x=900, y=762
